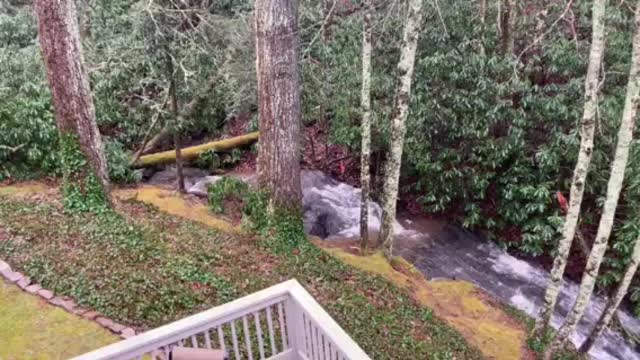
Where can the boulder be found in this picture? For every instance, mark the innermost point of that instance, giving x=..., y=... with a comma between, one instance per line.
x=199, y=188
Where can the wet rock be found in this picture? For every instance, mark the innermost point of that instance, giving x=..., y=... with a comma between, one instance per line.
x=200, y=187
x=169, y=176
x=332, y=209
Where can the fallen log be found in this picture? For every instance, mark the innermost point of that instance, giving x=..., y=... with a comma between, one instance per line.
x=193, y=151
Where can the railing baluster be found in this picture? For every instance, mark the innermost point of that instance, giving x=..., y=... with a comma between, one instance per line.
x=309, y=334
x=221, y=343
x=316, y=342
x=247, y=337
x=207, y=338
x=283, y=330
x=256, y=316
x=300, y=322
x=272, y=336
x=234, y=339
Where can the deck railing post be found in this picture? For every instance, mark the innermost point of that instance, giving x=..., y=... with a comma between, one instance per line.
x=295, y=326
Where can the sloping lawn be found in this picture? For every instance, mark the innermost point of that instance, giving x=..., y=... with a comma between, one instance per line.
x=30, y=328
x=144, y=268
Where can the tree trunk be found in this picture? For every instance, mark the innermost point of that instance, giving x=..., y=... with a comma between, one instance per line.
x=541, y=26
x=482, y=9
x=85, y=20
x=614, y=187
x=365, y=103
x=507, y=16
x=277, y=52
x=613, y=303
x=398, y=123
x=176, y=131
x=587, y=128
x=73, y=105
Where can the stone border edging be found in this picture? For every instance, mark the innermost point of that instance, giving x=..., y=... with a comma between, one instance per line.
x=66, y=303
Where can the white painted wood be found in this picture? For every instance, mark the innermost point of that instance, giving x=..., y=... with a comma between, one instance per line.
x=207, y=339
x=247, y=337
x=307, y=331
x=283, y=330
x=221, y=343
x=256, y=317
x=234, y=340
x=272, y=335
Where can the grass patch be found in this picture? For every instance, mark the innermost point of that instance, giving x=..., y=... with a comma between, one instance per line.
x=145, y=268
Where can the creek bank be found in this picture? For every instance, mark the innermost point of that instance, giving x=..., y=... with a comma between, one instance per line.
x=445, y=251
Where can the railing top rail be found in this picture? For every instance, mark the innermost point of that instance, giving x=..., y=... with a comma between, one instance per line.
x=149, y=340
x=348, y=347
x=172, y=332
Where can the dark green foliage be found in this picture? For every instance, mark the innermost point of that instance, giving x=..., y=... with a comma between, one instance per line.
x=81, y=189
x=281, y=230
x=28, y=137
x=118, y=161
x=225, y=189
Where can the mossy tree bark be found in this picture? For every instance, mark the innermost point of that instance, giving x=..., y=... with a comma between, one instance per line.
x=72, y=100
x=614, y=187
x=277, y=52
x=398, y=123
x=587, y=129
x=365, y=104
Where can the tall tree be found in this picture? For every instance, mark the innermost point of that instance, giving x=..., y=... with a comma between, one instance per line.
x=587, y=128
x=365, y=104
x=614, y=187
x=507, y=20
x=72, y=100
x=398, y=123
x=626, y=126
x=277, y=51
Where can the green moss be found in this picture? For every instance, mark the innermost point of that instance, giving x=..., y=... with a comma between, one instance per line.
x=31, y=328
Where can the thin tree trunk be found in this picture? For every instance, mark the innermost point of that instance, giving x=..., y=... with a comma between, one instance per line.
x=277, y=52
x=365, y=103
x=176, y=135
x=613, y=303
x=398, y=123
x=506, y=24
x=482, y=9
x=633, y=92
x=614, y=187
x=541, y=26
x=85, y=20
x=72, y=100
x=499, y=17
x=587, y=128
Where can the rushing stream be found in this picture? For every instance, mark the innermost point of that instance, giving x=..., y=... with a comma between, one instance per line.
x=442, y=250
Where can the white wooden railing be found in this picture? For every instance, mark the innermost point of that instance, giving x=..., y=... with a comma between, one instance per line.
x=282, y=322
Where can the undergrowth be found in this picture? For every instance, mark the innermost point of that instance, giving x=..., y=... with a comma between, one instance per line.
x=145, y=268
